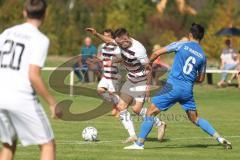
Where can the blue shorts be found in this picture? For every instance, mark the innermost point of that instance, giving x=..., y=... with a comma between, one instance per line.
x=172, y=94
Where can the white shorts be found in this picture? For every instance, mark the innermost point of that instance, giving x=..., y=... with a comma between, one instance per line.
x=28, y=123
x=110, y=84
x=135, y=90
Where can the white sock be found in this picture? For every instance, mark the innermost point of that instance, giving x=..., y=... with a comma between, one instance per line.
x=127, y=122
x=157, y=121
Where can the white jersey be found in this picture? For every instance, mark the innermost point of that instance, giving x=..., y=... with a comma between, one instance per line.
x=134, y=59
x=110, y=52
x=20, y=46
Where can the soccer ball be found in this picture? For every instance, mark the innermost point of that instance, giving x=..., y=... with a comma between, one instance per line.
x=89, y=134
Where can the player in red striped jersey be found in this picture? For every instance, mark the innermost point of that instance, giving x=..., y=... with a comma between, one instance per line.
x=134, y=58
x=109, y=84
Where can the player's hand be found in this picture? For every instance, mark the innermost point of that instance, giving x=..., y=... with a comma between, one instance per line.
x=148, y=67
x=91, y=30
x=55, y=111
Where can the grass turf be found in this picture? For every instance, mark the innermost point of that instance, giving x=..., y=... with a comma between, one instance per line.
x=183, y=140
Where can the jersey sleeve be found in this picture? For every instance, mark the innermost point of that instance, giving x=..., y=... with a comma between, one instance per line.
x=142, y=55
x=118, y=52
x=174, y=47
x=39, y=52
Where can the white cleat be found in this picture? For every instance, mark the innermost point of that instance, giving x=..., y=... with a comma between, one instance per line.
x=130, y=139
x=225, y=143
x=134, y=147
x=161, y=131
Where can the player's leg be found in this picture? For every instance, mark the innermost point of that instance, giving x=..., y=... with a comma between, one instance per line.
x=8, y=151
x=7, y=136
x=48, y=151
x=145, y=128
x=207, y=127
x=33, y=128
x=189, y=105
x=106, y=90
x=140, y=110
x=162, y=102
x=125, y=116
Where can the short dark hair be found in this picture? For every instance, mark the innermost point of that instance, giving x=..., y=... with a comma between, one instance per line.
x=108, y=31
x=35, y=8
x=197, y=31
x=228, y=42
x=119, y=32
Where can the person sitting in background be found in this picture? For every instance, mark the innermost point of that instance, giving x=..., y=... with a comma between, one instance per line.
x=228, y=61
x=238, y=68
x=159, y=67
x=236, y=75
x=88, y=51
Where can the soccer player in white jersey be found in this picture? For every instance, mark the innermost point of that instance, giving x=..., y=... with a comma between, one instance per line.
x=109, y=84
x=133, y=91
x=23, y=50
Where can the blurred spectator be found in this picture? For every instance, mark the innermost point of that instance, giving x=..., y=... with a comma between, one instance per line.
x=159, y=67
x=84, y=62
x=238, y=68
x=228, y=61
x=236, y=75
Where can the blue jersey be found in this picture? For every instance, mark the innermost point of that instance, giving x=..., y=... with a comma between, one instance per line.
x=189, y=62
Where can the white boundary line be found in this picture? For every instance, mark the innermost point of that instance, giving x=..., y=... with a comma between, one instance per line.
x=76, y=142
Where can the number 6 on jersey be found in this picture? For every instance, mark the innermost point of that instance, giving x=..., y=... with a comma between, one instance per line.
x=188, y=67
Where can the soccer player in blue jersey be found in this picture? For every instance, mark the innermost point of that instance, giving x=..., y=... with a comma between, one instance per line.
x=189, y=67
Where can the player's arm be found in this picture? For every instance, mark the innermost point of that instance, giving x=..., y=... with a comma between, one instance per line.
x=157, y=53
x=173, y=47
x=201, y=73
x=100, y=36
x=39, y=86
x=37, y=60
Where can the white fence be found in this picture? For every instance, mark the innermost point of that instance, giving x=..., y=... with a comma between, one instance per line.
x=71, y=83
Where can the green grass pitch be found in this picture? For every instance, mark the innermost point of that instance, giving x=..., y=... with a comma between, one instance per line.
x=183, y=140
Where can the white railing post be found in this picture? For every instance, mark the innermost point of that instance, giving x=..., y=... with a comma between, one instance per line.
x=71, y=82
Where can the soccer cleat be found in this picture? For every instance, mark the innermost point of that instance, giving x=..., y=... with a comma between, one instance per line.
x=130, y=139
x=161, y=131
x=134, y=147
x=225, y=143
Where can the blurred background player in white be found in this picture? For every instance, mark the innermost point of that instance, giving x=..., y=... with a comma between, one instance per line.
x=133, y=91
x=23, y=50
x=109, y=84
x=229, y=61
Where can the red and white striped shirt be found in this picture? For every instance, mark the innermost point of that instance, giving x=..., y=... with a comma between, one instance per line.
x=108, y=53
x=134, y=59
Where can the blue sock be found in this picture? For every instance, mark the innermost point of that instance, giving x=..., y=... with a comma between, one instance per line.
x=146, y=127
x=206, y=126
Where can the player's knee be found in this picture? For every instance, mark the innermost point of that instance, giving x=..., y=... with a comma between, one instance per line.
x=137, y=110
x=192, y=116
x=121, y=106
x=193, y=119
x=100, y=91
x=50, y=145
x=152, y=110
